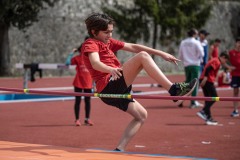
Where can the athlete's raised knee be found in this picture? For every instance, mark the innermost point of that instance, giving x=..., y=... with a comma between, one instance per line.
x=143, y=117
x=144, y=54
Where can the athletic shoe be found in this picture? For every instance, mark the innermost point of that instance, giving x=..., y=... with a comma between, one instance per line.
x=198, y=104
x=235, y=113
x=117, y=150
x=88, y=122
x=211, y=122
x=77, y=123
x=192, y=106
x=202, y=115
x=180, y=105
x=183, y=89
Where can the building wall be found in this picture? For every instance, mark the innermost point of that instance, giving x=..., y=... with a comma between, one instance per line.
x=62, y=28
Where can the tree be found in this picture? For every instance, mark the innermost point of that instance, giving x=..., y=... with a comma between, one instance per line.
x=173, y=18
x=20, y=14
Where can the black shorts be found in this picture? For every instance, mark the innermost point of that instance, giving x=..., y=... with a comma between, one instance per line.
x=117, y=87
x=235, y=83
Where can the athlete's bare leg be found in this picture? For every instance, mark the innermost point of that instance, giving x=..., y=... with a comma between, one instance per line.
x=235, y=94
x=140, y=61
x=139, y=114
x=131, y=69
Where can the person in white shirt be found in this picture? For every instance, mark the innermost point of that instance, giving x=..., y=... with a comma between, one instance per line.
x=191, y=53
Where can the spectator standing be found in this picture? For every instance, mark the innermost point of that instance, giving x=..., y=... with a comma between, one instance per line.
x=234, y=56
x=82, y=83
x=214, y=49
x=202, y=38
x=224, y=78
x=191, y=53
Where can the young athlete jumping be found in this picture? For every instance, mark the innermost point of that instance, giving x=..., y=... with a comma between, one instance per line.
x=113, y=78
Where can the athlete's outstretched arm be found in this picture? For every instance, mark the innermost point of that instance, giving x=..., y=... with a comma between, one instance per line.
x=136, y=48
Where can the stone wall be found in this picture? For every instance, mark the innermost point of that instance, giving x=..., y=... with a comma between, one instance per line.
x=62, y=28
x=59, y=30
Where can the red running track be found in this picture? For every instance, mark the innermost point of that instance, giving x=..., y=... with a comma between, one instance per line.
x=168, y=130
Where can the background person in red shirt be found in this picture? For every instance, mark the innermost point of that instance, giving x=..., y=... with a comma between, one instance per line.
x=234, y=58
x=214, y=49
x=224, y=78
x=207, y=80
x=82, y=83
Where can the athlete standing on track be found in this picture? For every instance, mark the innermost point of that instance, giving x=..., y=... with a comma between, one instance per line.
x=82, y=83
x=234, y=55
x=214, y=49
x=113, y=78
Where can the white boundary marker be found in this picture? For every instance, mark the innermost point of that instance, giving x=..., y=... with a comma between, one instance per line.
x=47, y=66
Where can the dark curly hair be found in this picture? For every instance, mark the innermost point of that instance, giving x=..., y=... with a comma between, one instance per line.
x=98, y=22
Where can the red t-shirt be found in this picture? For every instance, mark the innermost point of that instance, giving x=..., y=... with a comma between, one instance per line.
x=234, y=58
x=82, y=78
x=106, y=55
x=215, y=63
x=215, y=52
x=220, y=80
